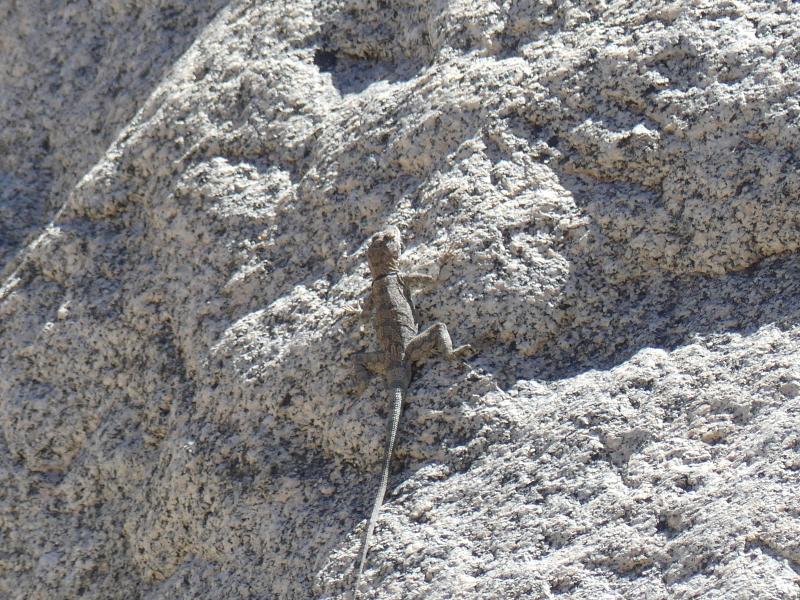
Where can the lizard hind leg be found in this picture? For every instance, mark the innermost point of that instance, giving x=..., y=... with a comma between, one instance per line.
x=434, y=340
x=365, y=364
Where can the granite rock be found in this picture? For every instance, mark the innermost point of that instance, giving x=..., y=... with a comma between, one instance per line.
x=185, y=197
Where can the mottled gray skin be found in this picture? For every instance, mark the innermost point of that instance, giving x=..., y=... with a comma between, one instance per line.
x=400, y=347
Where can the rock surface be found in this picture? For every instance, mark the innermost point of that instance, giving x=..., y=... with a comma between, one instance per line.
x=186, y=193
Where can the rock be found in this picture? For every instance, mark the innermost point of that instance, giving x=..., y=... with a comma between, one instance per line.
x=790, y=389
x=186, y=193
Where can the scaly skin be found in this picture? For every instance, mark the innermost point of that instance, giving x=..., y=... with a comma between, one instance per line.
x=400, y=347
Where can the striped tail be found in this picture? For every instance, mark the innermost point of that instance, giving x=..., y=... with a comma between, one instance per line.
x=394, y=419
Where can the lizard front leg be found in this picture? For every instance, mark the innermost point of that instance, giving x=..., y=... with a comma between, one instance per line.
x=417, y=281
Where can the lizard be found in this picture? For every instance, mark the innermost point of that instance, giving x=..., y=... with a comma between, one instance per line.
x=401, y=345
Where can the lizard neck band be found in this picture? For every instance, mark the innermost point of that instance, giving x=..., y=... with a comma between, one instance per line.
x=390, y=273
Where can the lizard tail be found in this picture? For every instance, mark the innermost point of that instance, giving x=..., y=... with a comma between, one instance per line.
x=391, y=435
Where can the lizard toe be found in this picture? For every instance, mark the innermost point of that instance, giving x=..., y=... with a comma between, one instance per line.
x=464, y=351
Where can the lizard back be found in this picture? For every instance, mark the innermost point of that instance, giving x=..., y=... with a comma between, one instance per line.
x=395, y=325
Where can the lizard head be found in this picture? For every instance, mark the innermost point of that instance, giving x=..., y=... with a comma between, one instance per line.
x=384, y=251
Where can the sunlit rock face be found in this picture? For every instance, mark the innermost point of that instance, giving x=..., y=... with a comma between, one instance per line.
x=186, y=190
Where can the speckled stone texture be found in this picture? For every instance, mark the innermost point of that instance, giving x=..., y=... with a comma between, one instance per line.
x=186, y=190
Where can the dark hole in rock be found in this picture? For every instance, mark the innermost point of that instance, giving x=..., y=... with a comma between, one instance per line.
x=325, y=60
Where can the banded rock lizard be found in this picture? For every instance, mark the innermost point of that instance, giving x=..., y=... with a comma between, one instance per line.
x=400, y=347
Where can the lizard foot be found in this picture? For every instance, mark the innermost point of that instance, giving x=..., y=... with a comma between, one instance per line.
x=464, y=351
x=357, y=383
